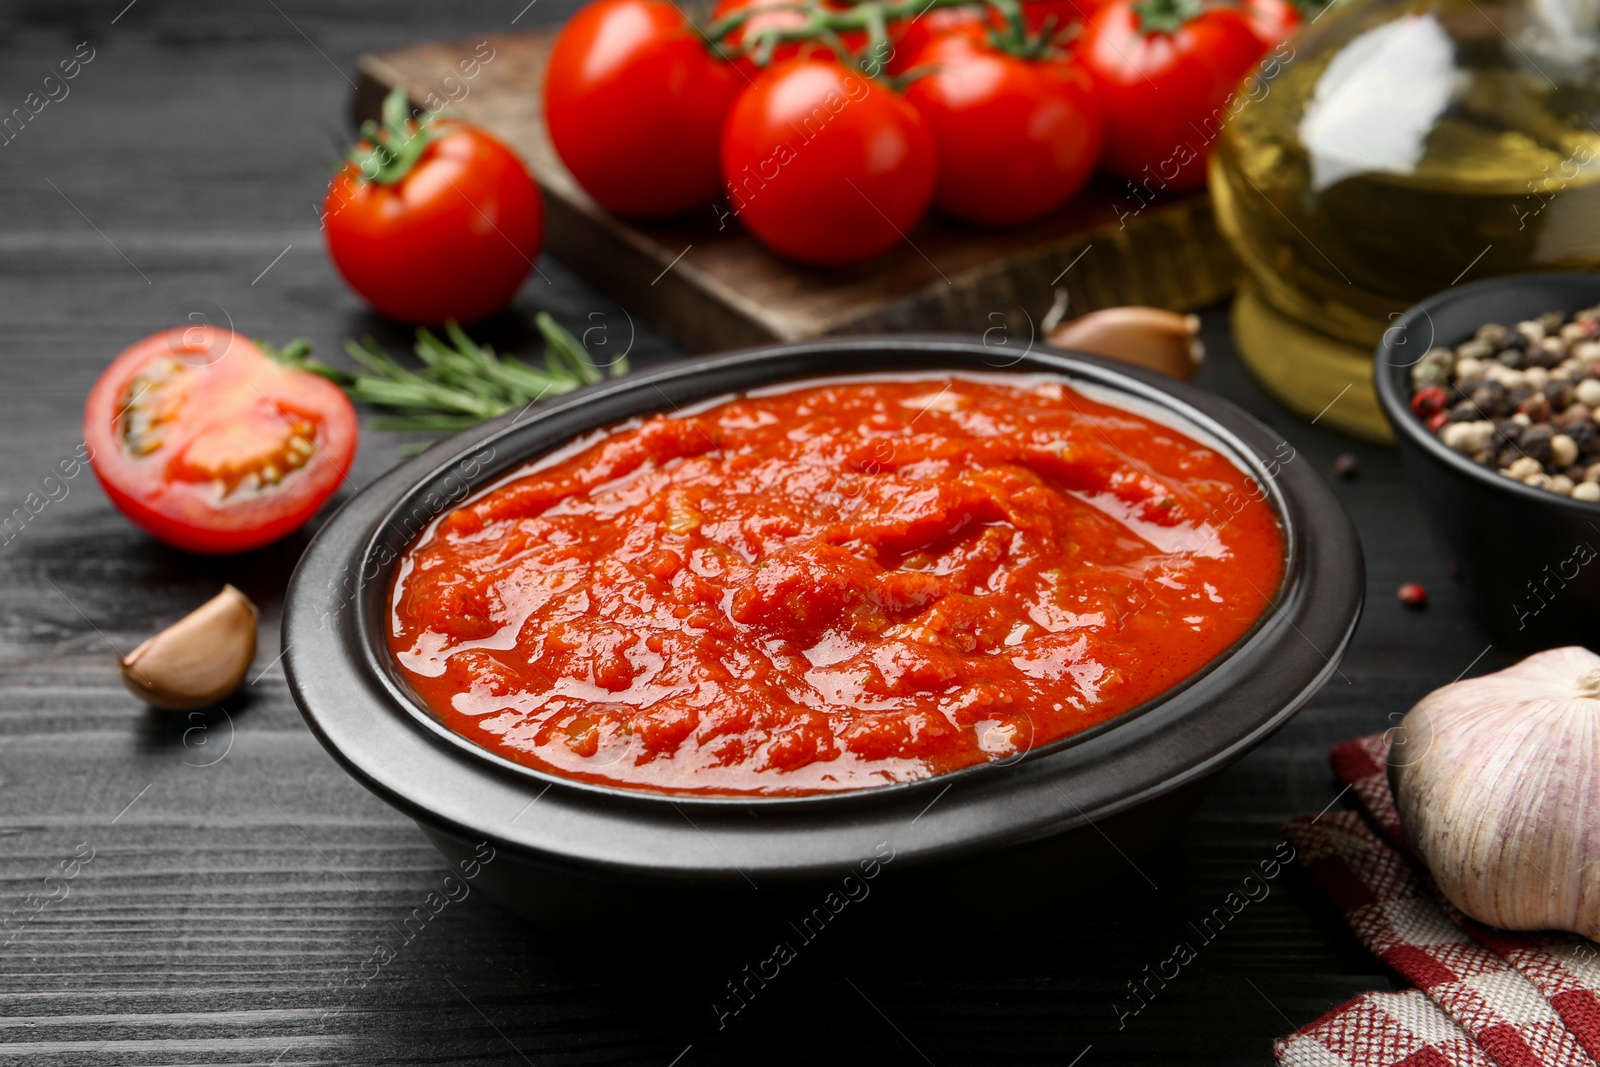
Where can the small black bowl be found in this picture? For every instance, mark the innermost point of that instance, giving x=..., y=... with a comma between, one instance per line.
x=590, y=860
x=1530, y=556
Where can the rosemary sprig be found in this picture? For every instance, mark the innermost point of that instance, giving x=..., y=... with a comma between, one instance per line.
x=460, y=383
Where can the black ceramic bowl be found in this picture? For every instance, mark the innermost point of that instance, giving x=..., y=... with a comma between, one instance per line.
x=576, y=857
x=1528, y=555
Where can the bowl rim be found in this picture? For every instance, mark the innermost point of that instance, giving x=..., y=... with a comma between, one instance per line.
x=1392, y=380
x=349, y=697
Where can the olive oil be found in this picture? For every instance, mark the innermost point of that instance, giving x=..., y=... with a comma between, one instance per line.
x=1405, y=147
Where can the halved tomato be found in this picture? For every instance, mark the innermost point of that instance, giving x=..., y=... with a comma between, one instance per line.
x=210, y=446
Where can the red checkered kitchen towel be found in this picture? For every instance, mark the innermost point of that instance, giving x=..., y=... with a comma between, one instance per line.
x=1484, y=997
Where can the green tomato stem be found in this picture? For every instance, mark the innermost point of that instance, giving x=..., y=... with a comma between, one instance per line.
x=874, y=17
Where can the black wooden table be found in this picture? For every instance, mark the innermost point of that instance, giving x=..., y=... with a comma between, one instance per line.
x=239, y=877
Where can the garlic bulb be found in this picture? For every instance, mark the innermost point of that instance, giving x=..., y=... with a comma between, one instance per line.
x=1497, y=780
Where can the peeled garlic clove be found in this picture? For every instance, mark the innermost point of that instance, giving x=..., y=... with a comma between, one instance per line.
x=1498, y=784
x=1158, y=340
x=198, y=660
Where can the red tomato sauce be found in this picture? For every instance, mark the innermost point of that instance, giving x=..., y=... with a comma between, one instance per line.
x=836, y=585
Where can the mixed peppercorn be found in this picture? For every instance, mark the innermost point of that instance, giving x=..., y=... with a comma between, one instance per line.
x=1521, y=400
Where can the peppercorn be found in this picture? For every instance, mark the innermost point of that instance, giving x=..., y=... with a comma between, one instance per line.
x=1559, y=394
x=1522, y=468
x=1555, y=347
x=1437, y=420
x=1535, y=443
x=1465, y=411
x=1433, y=368
x=1585, y=435
x=1468, y=437
x=1425, y=374
x=1540, y=355
x=1536, y=407
x=1429, y=400
x=1413, y=595
x=1490, y=398
x=1515, y=397
x=1346, y=466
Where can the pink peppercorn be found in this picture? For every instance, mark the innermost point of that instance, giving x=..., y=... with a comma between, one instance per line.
x=1430, y=400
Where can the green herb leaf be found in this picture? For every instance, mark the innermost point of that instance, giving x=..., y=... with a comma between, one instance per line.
x=297, y=354
x=388, y=153
x=459, y=384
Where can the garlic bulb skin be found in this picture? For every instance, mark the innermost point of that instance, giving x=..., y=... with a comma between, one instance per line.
x=1497, y=780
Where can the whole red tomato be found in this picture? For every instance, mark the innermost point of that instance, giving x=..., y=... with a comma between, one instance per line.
x=909, y=37
x=780, y=15
x=635, y=100
x=1015, y=137
x=444, y=226
x=212, y=447
x=1273, y=20
x=1165, y=90
x=825, y=165
x=1057, y=15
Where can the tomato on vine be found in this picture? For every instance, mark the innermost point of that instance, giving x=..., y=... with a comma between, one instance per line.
x=769, y=16
x=1165, y=70
x=1053, y=19
x=909, y=37
x=824, y=164
x=1016, y=137
x=1055, y=16
x=430, y=222
x=635, y=100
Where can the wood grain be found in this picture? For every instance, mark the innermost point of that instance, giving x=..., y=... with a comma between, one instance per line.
x=225, y=908
x=723, y=289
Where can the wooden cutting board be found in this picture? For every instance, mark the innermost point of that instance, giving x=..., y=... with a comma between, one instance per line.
x=711, y=289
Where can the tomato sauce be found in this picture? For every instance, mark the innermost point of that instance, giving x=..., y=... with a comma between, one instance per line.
x=834, y=585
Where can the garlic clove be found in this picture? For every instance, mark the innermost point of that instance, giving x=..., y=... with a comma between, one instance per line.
x=198, y=660
x=1163, y=341
x=1497, y=781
